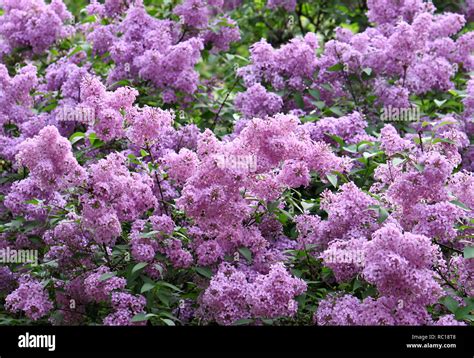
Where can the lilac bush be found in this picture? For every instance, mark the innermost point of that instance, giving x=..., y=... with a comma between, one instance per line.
x=205, y=162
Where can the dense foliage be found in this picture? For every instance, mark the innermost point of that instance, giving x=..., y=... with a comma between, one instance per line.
x=268, y=162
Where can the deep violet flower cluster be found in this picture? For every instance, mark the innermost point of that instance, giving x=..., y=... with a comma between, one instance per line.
x=153, y=189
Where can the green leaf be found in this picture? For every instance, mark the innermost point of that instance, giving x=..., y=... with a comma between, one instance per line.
x=320, y=104
x=272, y=206
x=450, y=303
x=90, y=18
x=299, y=100
x=383, y=215
x=351, y=148
x=442, y=140
x=367, y=71
x=133, y=159
x=149, y=234
x=139, y=317
x=397, y=161
x=381, y=211
x=439, y=103
x=107, y=275
x=168, y=322
x=169, y=285
x=357, y=284
x=419, y=167
x=204, y=271
x=98, y=143
x=336, y=138
x=168, y=314
x=245, y=252
x=120, y=83
x=337, y=111
x=164, y=297
x=444, y=123
x=368, y=155
x=139, y=266
x=92, y=138
x=462, y=312
x=364, y=143
x=242, y=322
x=315, y=93
x=282, y=218
x=307, y=205
x=332, y=179
x=297, y=273
x=453, y=92
x=336, y=67
x=76, y=137
x=469, y=252
x=77, y=49
x=460, y=204
x=286, y=213
x=147, y=287
x=327, y=87
x=50, y=107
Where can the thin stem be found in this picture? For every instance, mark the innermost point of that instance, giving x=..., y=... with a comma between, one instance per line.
x=225, y=99
x=405, y=67
x=446, y=280
x=349, y=84
x=158, y=182
x=421, y=142
x=107, y=257
x=448, y=247
x=299, y=14
x=318, y=19
x=185, y=30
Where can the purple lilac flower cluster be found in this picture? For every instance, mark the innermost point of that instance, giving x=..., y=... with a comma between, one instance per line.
x=144, y=203
x=163, y=52
x=33, y=25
